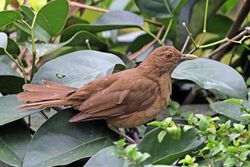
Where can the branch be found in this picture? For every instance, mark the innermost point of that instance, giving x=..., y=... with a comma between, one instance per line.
x=225, y=45
x=76, y=4
x=146, y=47
x=234, y=29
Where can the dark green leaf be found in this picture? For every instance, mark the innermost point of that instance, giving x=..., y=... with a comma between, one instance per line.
x=9, y=111
x=14, y=140
x=52, y=17
x=230, y=110
x=58, y=142
x=108, y=21
x=77, y=68
x=158, y=8
x=9, y=16
x=106, y=155
x=39, y=32
x=219, y=25
x=169, y=150
x=11, y=84
x=214, y=76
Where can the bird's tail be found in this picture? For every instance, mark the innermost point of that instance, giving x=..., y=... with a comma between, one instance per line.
x=50, y=94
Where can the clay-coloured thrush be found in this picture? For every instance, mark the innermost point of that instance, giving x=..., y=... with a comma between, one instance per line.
x=125, y=99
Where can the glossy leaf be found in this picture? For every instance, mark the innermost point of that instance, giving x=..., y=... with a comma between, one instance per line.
x=170, y=149
x=52, y=17
x=39, y=32
x=108, y=156
x=158, y=8
x=58, y=142
x=108, y=21
x=14, y=140
x=5, y=69
x=3, y=40
x=9, y=111
x=37, y=4
x=229, y=109
x=77, y=68
x=9, y=16
x=212, y=75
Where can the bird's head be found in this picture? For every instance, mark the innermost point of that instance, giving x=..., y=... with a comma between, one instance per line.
x=165, y=58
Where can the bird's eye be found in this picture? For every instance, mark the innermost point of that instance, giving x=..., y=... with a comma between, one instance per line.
x=168, y=56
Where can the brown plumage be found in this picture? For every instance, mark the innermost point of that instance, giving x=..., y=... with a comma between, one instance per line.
x=125, y=99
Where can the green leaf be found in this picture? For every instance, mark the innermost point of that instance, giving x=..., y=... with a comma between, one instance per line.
x=9, y=111
x=169, y=150
x=39, y=32
x=236, y=101
x=37, y=4
x=9, y=16
x=106, y=158
x=11, y=84
x=214, y=76
x=5, y=69
x=59, y=142
x=2, y=4
x=230, y=110
x=14, y=140
x=77, y=68
x=52, y=17
x=161, y=135
x=77, y=40
x=3, y=40
x=158, y=8
x=108, y=21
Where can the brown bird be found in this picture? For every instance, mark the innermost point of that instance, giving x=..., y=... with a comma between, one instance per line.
x=125, y=99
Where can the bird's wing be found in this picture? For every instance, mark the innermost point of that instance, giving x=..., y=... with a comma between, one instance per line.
x=123, y=97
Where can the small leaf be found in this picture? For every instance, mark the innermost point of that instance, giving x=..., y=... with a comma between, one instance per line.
x=52, y=17
x=9, y=16
x=236, y=101
x=37, y=4
x=161, y=135
x=169, y=150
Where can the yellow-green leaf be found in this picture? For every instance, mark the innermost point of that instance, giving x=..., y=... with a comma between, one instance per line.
x=2, y=4
x=37, y=4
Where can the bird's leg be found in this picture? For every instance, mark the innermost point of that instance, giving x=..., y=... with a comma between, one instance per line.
x=135, y=134
x=129, y=139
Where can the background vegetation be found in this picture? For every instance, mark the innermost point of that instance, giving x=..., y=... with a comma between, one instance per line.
x=75, y=42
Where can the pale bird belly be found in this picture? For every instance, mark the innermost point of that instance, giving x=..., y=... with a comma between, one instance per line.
x=137, y=118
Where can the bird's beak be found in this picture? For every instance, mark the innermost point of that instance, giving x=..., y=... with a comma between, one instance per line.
x=188, y=57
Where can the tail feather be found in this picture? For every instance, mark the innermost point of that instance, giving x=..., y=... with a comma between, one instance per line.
x=41, y=96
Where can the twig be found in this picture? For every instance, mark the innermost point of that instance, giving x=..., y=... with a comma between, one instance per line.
x=223, y=46
x=189, y=34
x=185, y=44
x=167, y=30
x=146, y=47
x=106, y=10
x=234, y=29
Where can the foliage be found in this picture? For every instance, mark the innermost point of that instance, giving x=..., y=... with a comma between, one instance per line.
x=72, y=44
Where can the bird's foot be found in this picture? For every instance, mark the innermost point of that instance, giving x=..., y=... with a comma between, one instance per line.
x=126, y=137
x=134, y=133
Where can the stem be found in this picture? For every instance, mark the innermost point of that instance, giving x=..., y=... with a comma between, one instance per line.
x=189, y=34
x=168, y=28
x=205, y=17
x=33, y=48
x=84, y=6
x=214, y=43
x=18, y=63
x=168, y=8
x=155, y=37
